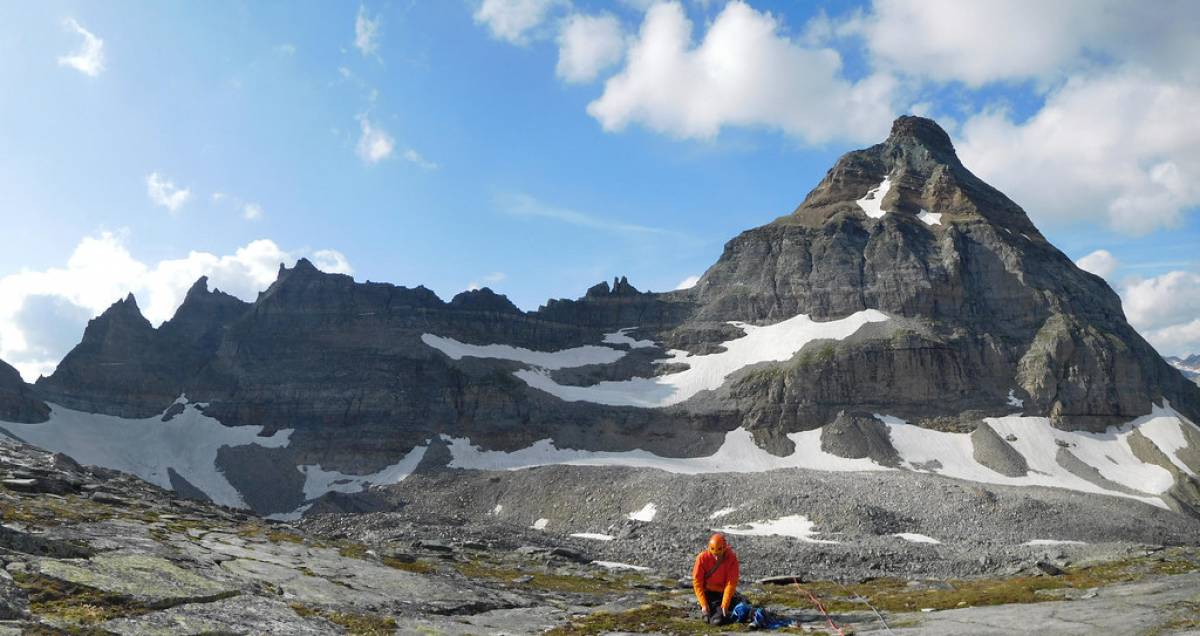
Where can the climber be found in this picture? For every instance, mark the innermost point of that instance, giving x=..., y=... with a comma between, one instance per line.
x=715, y=579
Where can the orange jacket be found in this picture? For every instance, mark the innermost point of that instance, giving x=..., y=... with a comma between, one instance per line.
x=722, y=579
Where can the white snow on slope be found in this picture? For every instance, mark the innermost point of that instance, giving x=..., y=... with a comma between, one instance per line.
x=540, y=524
x=920, y=449
x=721, y=513
x=872, y=202
x=146, y=447
x=550, y=360
x=1164, y=428
x=617, y=565
x=318, y=481
x=913, y=537
x=1013, y=400
x=795, y=526
x=647, y=513
x=595, y=536
x=772, y=343
x=930, y=218
x=620, y=337
x=738, y=454
x=1053, y=542
x=1108, y=452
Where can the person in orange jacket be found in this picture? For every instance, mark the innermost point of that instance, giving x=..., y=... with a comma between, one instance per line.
x=715, y=579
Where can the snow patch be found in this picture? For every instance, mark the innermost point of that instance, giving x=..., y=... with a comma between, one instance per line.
x=872, y=202
x=647, y=513
x=290, y=516
x=1165, y=429
x=620, y=337
x=497, y=510
x=771, y=343
x=540, y=524
x=738, y=454
x=616, y=565
x=721, y=513
x=595, y=536
x=795, y=526
x=913, y=537
x=1035, y=542
x=930, y=218
x=1013, y=400
x=187, y=443
x=549, y=360
x=318, y=481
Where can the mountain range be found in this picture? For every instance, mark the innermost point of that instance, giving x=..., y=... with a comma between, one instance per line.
x=905, y=316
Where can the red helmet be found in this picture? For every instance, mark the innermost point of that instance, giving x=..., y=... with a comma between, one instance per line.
x=717, y=544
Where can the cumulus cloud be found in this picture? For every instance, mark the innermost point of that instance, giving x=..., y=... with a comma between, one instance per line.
x=163, y=192
x=374, y=143
x=997, y=40
x=1101, y=263
x=588, y=45
x=412, y=156
x=89, y=58
x=1122, y=147
x=1166, y=310
x=485, y=281
x=512, y=20
x=366, y=32
x=688, y=282
x=42, y=313
x=743, y=73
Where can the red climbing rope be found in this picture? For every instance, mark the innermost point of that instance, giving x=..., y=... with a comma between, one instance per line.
x=821, y=607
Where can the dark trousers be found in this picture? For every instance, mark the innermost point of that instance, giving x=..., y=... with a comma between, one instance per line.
x=714, y=602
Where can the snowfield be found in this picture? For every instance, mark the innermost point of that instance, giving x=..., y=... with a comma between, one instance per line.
x=872, y=201
x=147, y=447
x=920, y=450
x=771, y=343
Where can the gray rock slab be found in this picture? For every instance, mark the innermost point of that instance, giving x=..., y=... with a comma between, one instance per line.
x=1134, y=608
x=992, y=451
x=147, y=579
x=238, y=615
x=505, y=622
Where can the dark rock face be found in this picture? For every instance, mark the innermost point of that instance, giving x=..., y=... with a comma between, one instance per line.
x=1002, y=307
x=857, y=436
x=980, y=307
x=17, y=402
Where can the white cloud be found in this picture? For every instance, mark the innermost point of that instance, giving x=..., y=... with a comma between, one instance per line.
x=366, y=32
x=995, y=40
x=415, y=157
x=332, y=262
x=42, y=313
x=286, y=49
x=588, y=45
x=523, y=205
x=512, y=20
x=485, y=281
x=89, y=58
x=1101, y=263
x=743, y=73
x=688, y=282
x=1176, y=340
x=252, y=211
x=1123, y=147
x=374, y=144
x=165, y=193
x=1165, y=300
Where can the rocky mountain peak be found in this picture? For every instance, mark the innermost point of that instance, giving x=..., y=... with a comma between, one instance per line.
x=910, y=130
x=484, y=299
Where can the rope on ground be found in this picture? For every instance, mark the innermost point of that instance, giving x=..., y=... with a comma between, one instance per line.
x=868, y=603
x=821, y=607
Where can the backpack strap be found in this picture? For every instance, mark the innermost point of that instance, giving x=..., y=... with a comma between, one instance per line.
x=714, y=568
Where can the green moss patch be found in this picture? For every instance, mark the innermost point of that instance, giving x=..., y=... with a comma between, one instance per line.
x=354, y=624
x=79, y=604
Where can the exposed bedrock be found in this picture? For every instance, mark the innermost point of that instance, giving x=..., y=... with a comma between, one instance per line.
x=17, y=400
x=859, y=435
x=993, y=452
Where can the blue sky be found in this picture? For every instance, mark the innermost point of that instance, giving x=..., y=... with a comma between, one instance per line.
x=539, y=146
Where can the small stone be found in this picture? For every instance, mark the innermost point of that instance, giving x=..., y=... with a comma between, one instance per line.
x=523, y=579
